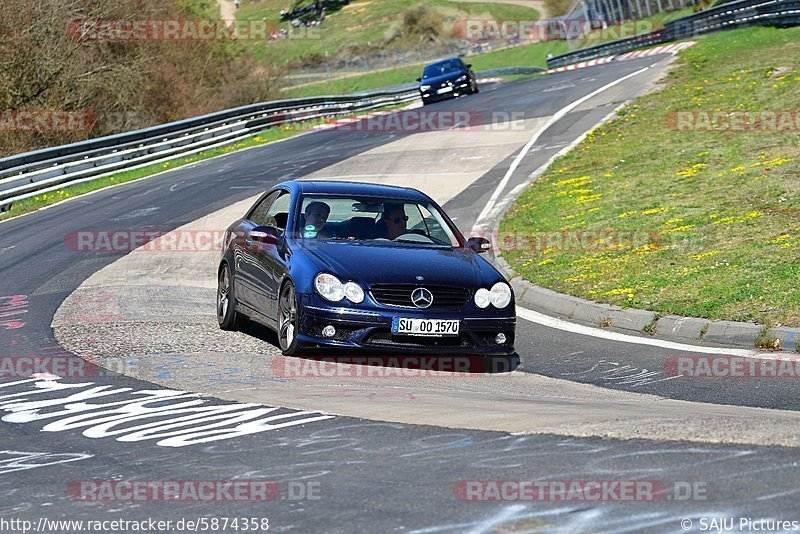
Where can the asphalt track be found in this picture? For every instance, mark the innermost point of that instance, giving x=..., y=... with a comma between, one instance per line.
x=373, y=476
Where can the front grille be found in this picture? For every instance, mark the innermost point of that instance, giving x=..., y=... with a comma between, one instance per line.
x=444, y=297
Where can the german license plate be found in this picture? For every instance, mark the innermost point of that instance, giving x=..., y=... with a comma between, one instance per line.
x=444, y=90
x=425, y=327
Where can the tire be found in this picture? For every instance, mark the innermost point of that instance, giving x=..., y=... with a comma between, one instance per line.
x=288, y=320
x=475, y=89
x=227, y=316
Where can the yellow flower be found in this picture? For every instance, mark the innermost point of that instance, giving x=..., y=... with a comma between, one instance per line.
x=587, y=198
x=677, y=229
x=654, y=210
x=573, y=192
x=619, y=291
x=777, y=162
x=546, y=262
x=780, y=238
x=644, y=249
x=626, y=214
x=575, y=182
x=708, y=254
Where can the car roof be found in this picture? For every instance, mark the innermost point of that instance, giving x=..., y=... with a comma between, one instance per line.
x=337, y=187
x=448, y=60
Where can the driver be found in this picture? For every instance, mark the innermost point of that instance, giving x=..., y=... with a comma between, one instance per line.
x=394, y=219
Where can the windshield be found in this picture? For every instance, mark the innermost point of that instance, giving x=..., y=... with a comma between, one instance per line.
x=438, y=69
x=373, y=219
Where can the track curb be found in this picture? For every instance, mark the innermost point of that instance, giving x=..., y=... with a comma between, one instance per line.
x=645, y=322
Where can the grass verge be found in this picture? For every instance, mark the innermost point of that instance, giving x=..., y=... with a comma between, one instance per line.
x=363, y=23
x=676, y=217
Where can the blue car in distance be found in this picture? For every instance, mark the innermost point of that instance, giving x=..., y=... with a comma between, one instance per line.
x=448, y=78
x=362, y=266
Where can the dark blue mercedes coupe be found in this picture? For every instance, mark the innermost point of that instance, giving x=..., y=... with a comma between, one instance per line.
x=362, y=266
x=448, y=78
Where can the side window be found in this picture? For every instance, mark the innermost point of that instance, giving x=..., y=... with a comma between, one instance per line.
x=259, y=214
x=278, y=212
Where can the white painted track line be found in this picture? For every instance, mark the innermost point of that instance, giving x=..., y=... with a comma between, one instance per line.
x=482, y=218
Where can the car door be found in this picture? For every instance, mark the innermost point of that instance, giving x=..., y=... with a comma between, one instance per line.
x=245, y=256
x=269, y=258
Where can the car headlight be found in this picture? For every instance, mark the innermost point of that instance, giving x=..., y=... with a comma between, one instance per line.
x=462, y=78
x=424, y=87
x=353, y=292
x=329, y=287
x=500, y=295
x=482, y=298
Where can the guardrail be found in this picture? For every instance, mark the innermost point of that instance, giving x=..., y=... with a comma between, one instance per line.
x=32, y=173
x=782, y=13
x=510, y=71
x=41, y=171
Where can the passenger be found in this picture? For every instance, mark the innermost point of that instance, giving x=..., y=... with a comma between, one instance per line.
x=316, y=215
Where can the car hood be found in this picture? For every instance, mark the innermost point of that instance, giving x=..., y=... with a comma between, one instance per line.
x=437, y=80
x=370, y=264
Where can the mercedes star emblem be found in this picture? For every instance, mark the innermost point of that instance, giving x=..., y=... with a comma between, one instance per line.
x=421, y=297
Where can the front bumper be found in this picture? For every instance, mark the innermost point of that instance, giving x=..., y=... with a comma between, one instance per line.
x=459, y=89
x=371, y=329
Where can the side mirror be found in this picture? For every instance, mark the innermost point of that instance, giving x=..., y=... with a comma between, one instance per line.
x=419, y=79
x=479, y=244
x=263, y=234
x=469, y=65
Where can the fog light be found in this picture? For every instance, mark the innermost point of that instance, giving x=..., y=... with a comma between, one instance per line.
x=500, y=338
x=330, y=331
